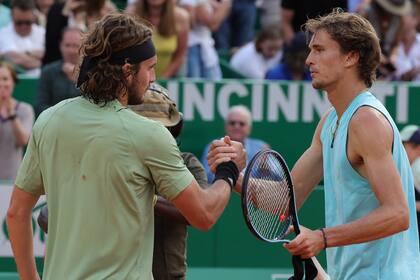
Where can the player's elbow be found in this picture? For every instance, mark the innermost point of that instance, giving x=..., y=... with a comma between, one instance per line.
x=402, y=218
x=205, y=222
x=14, y=215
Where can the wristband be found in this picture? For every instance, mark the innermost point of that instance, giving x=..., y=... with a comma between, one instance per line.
x=227, y=171
x=324, y=237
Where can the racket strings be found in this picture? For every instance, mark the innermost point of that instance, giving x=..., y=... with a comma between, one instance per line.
x=268, y=194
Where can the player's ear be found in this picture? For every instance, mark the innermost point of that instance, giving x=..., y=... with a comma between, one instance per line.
x=351, y=59
x=127, y=71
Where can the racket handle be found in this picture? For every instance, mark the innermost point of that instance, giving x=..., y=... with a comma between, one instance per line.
x=322, y=275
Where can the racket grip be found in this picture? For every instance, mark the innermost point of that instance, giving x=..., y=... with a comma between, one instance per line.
x=322, y=275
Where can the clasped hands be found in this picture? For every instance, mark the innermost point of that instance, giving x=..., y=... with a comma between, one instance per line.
x=224, y=150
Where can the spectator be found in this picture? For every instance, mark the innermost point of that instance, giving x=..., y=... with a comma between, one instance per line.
x=407, y=61
x=169, y=254
x=386, y=18
x=292, y=67
x=71, y=13
x=255, y=58
x=410, y=135
x=358, y=6
x=42, y=8
x=5, y=15
x=294, y=13
x=238, y=27
x=16, y=119
x=206, y=16
x=269, y=13
x=170, y=35
x=57, y=81
x=238, y=127
x=22, y=42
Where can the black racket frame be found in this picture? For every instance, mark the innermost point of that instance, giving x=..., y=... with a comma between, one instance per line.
x=292, y=204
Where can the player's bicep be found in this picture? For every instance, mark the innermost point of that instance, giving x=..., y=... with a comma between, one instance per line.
x=187, y=202
x=308, y=170
x=21, y=202
x=374, y=147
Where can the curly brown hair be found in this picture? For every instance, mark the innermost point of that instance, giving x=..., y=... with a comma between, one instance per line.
x=114, y=32
x=354, y=34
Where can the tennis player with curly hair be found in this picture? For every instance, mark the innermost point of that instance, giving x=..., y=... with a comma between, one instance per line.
x=99, y=163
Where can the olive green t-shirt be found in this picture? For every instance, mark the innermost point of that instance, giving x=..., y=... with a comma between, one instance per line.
x=98, y=166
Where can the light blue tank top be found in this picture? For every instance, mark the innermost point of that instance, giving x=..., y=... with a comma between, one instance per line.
x=348, y=197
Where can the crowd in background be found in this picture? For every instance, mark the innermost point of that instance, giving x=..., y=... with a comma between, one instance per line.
x=192, y=36
x=258, y=39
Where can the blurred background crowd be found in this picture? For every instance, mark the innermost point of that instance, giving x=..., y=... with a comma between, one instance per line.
x=259, y=39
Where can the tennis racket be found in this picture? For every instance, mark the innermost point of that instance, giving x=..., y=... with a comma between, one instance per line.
x=268, y=200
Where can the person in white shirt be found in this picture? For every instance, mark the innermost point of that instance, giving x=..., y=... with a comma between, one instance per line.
x=22, y=41
x=255, y=58
x=407, y=61
x=206, y=16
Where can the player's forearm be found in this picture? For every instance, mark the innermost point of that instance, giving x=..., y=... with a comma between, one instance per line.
x=215, y=200
x=380, y=223
x=20, y=231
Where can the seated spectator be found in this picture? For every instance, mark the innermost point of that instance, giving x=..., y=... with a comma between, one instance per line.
x=57, y=81
x=292, y=67
x=407, y=60
x=206, y=16
x=22, y=42
x=71, y=13
x=5, y=15
x=410, y=135
x=16, y=120
x=255, y=58
x=170, y=36
x=386, y=18
x=238, y=127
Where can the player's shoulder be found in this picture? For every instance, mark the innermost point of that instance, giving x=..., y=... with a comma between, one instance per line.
x=140, y=126
x=368, y=122
x=47, y=114
x=366, y=116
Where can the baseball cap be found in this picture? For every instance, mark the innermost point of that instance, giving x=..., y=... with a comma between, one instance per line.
x=411, y=133
x=158, y=106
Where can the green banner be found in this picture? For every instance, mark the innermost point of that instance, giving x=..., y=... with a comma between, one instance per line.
x=284, y=114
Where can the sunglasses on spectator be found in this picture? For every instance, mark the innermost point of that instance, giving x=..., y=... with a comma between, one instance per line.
x=24, y=22
x=234, y=123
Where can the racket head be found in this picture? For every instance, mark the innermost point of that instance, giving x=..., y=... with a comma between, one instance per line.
x=267, y=197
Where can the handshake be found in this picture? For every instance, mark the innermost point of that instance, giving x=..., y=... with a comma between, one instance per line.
x=225, y=151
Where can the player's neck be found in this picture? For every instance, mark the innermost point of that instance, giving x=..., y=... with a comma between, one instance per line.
x=123, y=99
x=343, y=93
